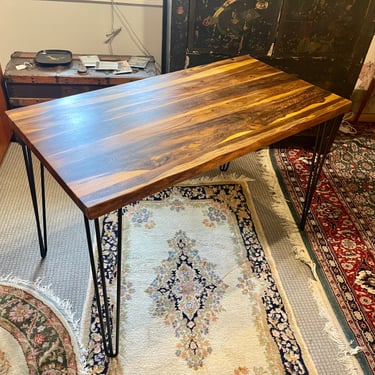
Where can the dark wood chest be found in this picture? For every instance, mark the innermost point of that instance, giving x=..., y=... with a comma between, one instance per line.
x=35, y=84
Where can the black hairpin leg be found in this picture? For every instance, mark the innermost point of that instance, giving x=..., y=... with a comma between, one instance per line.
x=224, y=167
x=106, y=318
x=325, y=136
x=42, y=236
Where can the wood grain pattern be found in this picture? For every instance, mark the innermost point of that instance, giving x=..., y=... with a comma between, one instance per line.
x=113, y=146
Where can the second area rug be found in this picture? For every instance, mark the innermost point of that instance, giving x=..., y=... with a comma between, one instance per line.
x=36, y=332
x=340, y=230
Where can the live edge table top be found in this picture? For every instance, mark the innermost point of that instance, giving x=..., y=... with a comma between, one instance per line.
x=111, y=147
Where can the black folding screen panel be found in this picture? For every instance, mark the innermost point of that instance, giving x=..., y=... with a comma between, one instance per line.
x=322, y=41
x=232, y=27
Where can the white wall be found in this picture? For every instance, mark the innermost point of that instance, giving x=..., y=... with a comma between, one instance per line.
x=79, y=26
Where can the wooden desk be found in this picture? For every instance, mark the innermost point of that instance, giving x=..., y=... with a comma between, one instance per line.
x=111, y=147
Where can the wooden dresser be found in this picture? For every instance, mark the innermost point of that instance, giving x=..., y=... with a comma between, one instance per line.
x=5, y=130
x=37, y=84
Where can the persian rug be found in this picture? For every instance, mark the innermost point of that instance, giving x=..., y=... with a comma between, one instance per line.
x=200, y=292
x=340, y=230
x=35, y=337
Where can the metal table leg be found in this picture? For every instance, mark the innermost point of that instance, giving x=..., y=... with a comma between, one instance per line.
x=224, y=167
x=325, y=136
x=42, y=236
x=106, y=317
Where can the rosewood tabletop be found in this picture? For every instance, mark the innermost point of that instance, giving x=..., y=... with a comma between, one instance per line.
x=113, y=146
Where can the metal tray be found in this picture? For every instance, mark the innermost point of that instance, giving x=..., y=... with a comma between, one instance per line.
x=52, y=57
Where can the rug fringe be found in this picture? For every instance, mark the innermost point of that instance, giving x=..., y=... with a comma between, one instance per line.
x=220, y=178
x=64, y=307
x=347, y=352
x=282, y=210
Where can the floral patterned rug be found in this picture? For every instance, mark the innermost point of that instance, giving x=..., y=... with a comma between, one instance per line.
x=35, y=338
x=340, y=230
x=200, y=294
